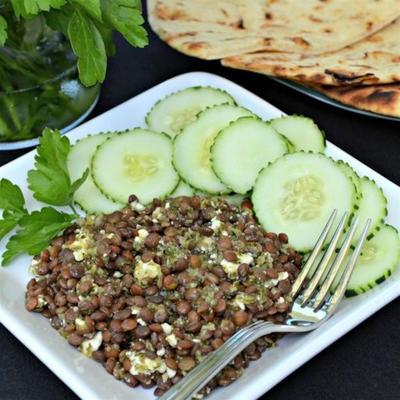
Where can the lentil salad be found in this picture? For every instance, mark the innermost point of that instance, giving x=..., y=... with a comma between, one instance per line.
x=149, y=291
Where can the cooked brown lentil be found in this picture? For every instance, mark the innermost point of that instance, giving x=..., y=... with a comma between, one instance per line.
x=150, y=293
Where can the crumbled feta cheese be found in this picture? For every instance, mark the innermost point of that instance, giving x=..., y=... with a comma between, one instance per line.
x=225, y=233
x=172, y=341
x=268, y=259
x=80, y=323
x=33, y=266
x=167, y=328
x=167, y=205
x=140, y=364
x=229, y=267
x=118, y=274
x=171, y=372
x=145, y=271
x=270, y=283
x=205, y=243
x=83, y=245
x=213, y=256
x=282, y=276
x=161, y=352
x=245, y=258
x=141, y=322
x=242, y=299
x=205, y=328
x=87, y=347
x=281, y=300
x=41, y=301
x=157, y=214
x=135, y=310
x=142, y=235
x=136, y=206
x=238, y=303
x=216, y=224
x=273, y=282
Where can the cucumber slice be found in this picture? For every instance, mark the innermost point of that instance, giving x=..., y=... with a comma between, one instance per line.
x=174, y=112
x=290, y=145
x=137, y=162
x=183, y=189
x=349, y=171
x=297, y=193
x=192, y=158
x=378, y=260
x=242, y=149
x=372, y=205
x=302, y=132
x=234, y=199
x=88, y=197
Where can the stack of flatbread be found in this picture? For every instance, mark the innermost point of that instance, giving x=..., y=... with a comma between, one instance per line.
x=349, y=51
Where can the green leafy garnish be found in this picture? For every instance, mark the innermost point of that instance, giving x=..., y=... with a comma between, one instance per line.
x=88, y=24
x=125, y=16
x=28, y=8
x=37, y=230
x=92, y=7
x=3, y=31
x=12, y=203
x=49, y=181
x=11, y=197
x=88, y=45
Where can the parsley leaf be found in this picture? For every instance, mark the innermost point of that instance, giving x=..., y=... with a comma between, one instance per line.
x=107, y=35
x=11, y=197
x=12, y=203
x=49, y=181
x=92, y=7
x=58, y=20
x=87, y=43
x=3, y=31
x=28, y=8
x=126, y=17
x=7, y=224
x=37, y=230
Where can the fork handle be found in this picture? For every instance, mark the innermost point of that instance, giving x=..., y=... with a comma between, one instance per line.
x=198, y=377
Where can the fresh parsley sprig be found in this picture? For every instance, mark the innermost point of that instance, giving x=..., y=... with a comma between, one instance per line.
x=12, y=203
x=88, y=24
x=36, y=231
x=49, y=180
x=50, y=183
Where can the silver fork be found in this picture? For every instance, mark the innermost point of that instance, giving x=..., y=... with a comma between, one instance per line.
x=313, y=303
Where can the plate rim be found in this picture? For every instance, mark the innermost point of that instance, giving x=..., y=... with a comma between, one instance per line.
x=314, y=94
x=386, y=293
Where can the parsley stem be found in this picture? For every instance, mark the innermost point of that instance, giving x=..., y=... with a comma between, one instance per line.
x=73, y=209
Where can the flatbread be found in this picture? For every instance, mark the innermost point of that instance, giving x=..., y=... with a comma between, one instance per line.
x=381, y=99
x=373, y=60
x=212, y=29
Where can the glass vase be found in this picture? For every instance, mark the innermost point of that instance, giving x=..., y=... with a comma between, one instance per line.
x=39, y=85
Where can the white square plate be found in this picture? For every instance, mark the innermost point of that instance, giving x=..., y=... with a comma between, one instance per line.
x=87, y=378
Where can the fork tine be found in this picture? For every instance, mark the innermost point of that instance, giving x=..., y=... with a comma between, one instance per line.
x=346, y=275
x=311, y=259
x=230, y=345
x=337, y=264
x=324, y=265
